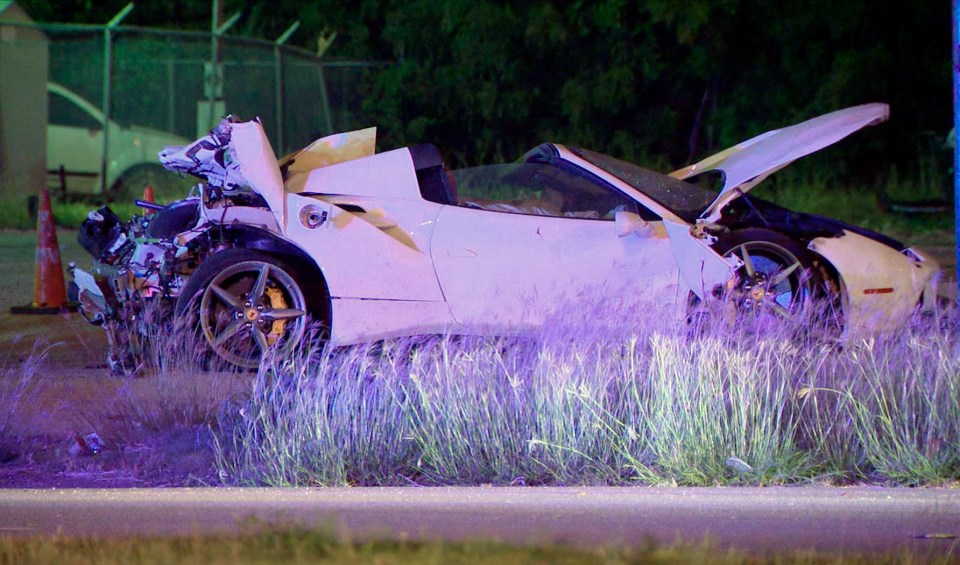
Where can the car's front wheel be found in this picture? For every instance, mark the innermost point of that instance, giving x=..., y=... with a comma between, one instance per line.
x=247, y=304
x=774, y=279
x=775, y=282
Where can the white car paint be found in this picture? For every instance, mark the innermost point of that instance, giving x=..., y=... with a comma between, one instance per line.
x=258, y=165
x=358, y=320
x=454, y=260
x=700, y=266
x=361, y=247
x=484, y=285
x=883, y=287
x=505, y=271
x=359, y=260
x=397, y=264
x=746, y=164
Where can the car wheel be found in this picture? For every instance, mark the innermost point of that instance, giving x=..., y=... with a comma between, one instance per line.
x=167, y=185
x=247, y=304
x=774, y=282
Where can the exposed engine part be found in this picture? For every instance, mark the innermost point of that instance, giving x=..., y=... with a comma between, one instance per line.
x=141, y=266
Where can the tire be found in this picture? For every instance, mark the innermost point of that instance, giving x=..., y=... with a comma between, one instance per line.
x=247, y=304
x=775, y=280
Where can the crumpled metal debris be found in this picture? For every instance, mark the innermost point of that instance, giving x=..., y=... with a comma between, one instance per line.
x=85, y=446
x=211, y=157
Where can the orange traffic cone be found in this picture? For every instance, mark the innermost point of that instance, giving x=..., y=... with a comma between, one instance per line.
x=49, y=290
x=148, y=197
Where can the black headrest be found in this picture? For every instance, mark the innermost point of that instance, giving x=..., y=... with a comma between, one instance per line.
x=425, y=156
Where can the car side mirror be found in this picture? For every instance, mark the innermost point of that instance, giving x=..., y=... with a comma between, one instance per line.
x=628, y=223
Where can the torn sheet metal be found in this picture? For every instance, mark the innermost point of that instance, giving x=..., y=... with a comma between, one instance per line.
x=234, y=155
x=332, y=149
x=258, y=163
x=210, y=158
x=700, y=266
x=387, y=175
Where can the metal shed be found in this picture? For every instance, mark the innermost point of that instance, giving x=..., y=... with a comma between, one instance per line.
x=23, y=103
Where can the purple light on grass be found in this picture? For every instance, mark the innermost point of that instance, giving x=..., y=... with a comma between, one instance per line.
x=956, y=128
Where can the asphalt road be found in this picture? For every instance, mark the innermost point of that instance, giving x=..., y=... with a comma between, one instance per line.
x=825, y=518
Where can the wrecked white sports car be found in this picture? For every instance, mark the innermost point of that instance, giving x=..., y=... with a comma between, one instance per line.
x=377, y=245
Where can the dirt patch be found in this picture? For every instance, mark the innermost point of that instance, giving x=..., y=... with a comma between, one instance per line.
x=177, y=457
x=56, y=387
x=56, y=390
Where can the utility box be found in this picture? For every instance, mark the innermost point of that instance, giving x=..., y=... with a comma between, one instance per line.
x=23, y=103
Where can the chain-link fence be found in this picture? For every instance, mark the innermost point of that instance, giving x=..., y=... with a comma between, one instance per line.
x=178, y=84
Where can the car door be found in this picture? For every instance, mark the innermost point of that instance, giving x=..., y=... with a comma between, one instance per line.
x=532, y=241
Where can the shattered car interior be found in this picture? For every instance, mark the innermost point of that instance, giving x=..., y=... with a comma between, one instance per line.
x=369, y=245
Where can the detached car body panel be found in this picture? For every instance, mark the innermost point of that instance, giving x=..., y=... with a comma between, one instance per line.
x=375, y=245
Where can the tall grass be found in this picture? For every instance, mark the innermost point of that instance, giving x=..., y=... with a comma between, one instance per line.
x=644, y=403
x=308, y=430
x=169, y=382
x=898, y=401
x=18, y=382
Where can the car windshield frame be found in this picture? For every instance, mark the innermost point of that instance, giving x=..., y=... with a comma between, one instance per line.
x=685, y=199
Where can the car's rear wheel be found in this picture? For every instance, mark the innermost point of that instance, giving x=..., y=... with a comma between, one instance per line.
x=247, y=304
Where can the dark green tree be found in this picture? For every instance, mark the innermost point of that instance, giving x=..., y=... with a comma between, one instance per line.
x=659, y=81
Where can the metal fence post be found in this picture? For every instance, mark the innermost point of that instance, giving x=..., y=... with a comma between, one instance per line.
x=324, y=43
x=278, y=60
x=212, y=82
x=215, y=80
x=107, y=93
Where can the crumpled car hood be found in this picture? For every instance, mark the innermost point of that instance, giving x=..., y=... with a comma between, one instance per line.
x=746, y=164
x=237, y=153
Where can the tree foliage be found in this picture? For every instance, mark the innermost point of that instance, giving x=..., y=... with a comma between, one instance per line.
x=658, y=81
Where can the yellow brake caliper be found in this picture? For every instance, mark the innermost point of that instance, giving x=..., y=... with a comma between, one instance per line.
x=276, y=301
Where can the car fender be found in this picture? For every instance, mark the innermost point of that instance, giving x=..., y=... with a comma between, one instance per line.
x=701, y=267
x=368, y=248
x=268, y=241
x=882, y=287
